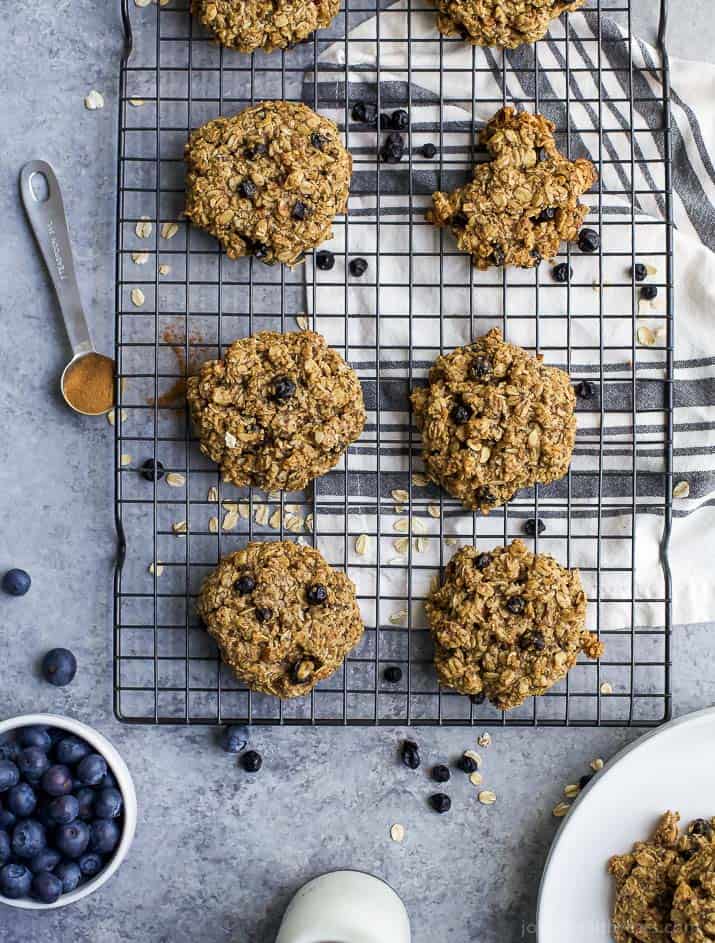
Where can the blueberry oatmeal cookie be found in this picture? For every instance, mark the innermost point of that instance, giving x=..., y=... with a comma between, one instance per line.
x=253, y=24
x=656, y=899
x=283, y=618
x=507, y=624
x=277, y=411
x=494, y=419
x=503, y=23
x=268, y=181
x=523, y=202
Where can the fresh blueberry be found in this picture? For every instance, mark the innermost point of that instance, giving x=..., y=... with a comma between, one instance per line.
x=441, y=773
x=410, y=754
x=547, y=215
x=28, y=838
x=325, y=260
x=357, y=267
x=562, y=272
x=234, y=739
x=585, y=389
x=152, y=470
x=649, y=292
x=516, y=605
x=393, y=674
x=70, y=750
x=107, y=782
x=16, y=582
x=317, y=594
x=69, y=873
x=585, y=780
x=108, y=804
x=400, y=120
x=440, y=802
x=9, y=748
x=46, y=887
x=9, y=775
x=91, y=769
x=364, y=112
x=467, y=764
x=85, y=799
x=532, y=525
x=103, y=836
x=57, y=781
x=90, y=864
x=21, y=800
x=247, y=189
x=640, y=272
x=385, y=121
x=35, y=736
x=533, y=640
x=589, y=240
x=460, y=414
x=15, y=881
x=244, y=585
x=72, y=839
x=393, y=149
x=59, y=666
x=300, y=210
x=251, y=761
x=482, y=561
x=429, y=150
x=5, y=848
x=7, y=820
x=283, y=388
x=63, y=810
x=45, y=860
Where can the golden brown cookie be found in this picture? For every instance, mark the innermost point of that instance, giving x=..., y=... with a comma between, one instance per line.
x=692, y=917
x=254, y=24
x=508, y=624
x=268, y=181
x=277, y=411
x=523, y=202
x=282, y=617
x=494, y=419
x=504, y=23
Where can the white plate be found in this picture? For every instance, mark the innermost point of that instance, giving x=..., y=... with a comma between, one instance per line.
x=672, y=767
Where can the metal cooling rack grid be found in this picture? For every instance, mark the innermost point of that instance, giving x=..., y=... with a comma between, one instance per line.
x=166, y=667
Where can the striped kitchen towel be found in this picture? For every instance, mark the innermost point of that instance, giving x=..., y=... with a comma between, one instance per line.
x=603, y=87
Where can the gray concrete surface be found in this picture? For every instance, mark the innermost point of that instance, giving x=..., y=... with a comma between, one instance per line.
x=218, y=853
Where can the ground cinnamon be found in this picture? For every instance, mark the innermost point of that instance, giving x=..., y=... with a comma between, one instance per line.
x=89, y=384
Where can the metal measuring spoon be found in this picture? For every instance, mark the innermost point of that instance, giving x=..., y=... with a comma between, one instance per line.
x=42, y=199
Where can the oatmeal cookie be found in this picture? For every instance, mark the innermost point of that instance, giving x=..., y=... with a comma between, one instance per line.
x=254, y=24
x=523, y=202
x=282, y=617
x=494, y=419
x=646, y=881
x=504, y=23
x=277, y=411
x=693, y=914
x=268, y=181
x=508, y=624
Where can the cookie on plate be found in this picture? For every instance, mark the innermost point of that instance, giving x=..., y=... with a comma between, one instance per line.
x=523, y=202
x=267, y=182
x=494, y=419
x=277, y=410
x=247, y=25
x=282, y=617
x=692, y=917
x=504, y=23
x=507, y=624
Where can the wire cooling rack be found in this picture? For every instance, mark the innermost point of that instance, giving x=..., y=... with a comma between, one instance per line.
x=180, y=301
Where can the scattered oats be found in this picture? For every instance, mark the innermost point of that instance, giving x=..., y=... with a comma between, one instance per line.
x=213, y=525
x=274, y=495
x=420, y=544
x=400, y=495
x=397, y=618
x=243, y=511
x=274, y=520
x=261, y=514
x=94, y=100
x=651, y=270
x=293, y=508
x=164, y=3
x=142, y=3
x=401, y=525
x=180, y=527
x=111, y=417
x=487, y=797
x=302, y=321
x=395, y=561
x=397, y=833
x=645, y=336
x=560, y=810
x=433, y=510
x=175, y=480
x=125, y=459
x=144, y=228
x=606, y=688
x=450, y=541
x=230, y=439
x=140, y=258
x=294, y=523
x=137, y=297
x=230, y=520
x=212, y=495
x=164, y=269
x=309, y=523
x=596, y=764
x=169, y=230
x=418, y=525
x=435, y=583
x=572, y=790
x=400, y=509
x=473, y=755
x=157, y=569
x=682, y=489
x=419, y=480
x=136, y=102
x=230, y=506
x=361, y=544
x=485, y=739
x=476, y=778
x=402, y=544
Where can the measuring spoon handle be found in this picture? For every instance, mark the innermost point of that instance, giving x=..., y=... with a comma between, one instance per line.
x=42, y=199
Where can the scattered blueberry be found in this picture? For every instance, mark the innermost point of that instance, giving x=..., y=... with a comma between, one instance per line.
x=300, y=210
x=701, y=827
x=585, y=780
x=57, y=780
x=482, y=561
x=640, y=272
x=15, y=881
x=533, y=640
x=247, y=189
x=479, y=698
x=152, y=470
x=547, y=215
x=251, y=761
x=400, y=120
x=461, y=413
x=532, y=525
x=649, y=292
x=16, y=582
x=85, y=801
x=441, y=773
x=244, y=585
x=69, y=873
x=585, y=389
x=72, y=839
x=21, y=800
x=358, y=267
x=364, y=112
x=45, y=860
x=440, y=802
x=46, y=887
x=480, y=368
x=260, y=251
x=59, y=666
x=325, y=260
x=318, y=141
x=234, y=740
x=498, y=257
x=263, y=613
x=410, y=754
x=429, y=150
x=393, y=674
x=393, y=149
x=317, y=594
x=28, y=838
x=103, y=836
x=91, y=769
x=258, y=150
x=467, y=764
x=283, y=388
x=70, y=750
x=589, y=240
x=90, y=864
x=9, y=775
x=458, y=220
x=562, y=272
x=385, y=121
x=5, y=849
x=63, y=810
x=516, y=604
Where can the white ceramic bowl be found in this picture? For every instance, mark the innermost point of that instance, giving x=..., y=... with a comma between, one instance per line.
x=119, y=770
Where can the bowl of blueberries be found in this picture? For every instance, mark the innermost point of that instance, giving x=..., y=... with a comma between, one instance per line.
x=68, y=811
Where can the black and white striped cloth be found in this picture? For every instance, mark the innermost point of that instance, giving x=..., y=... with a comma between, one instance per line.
x=392, y=334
